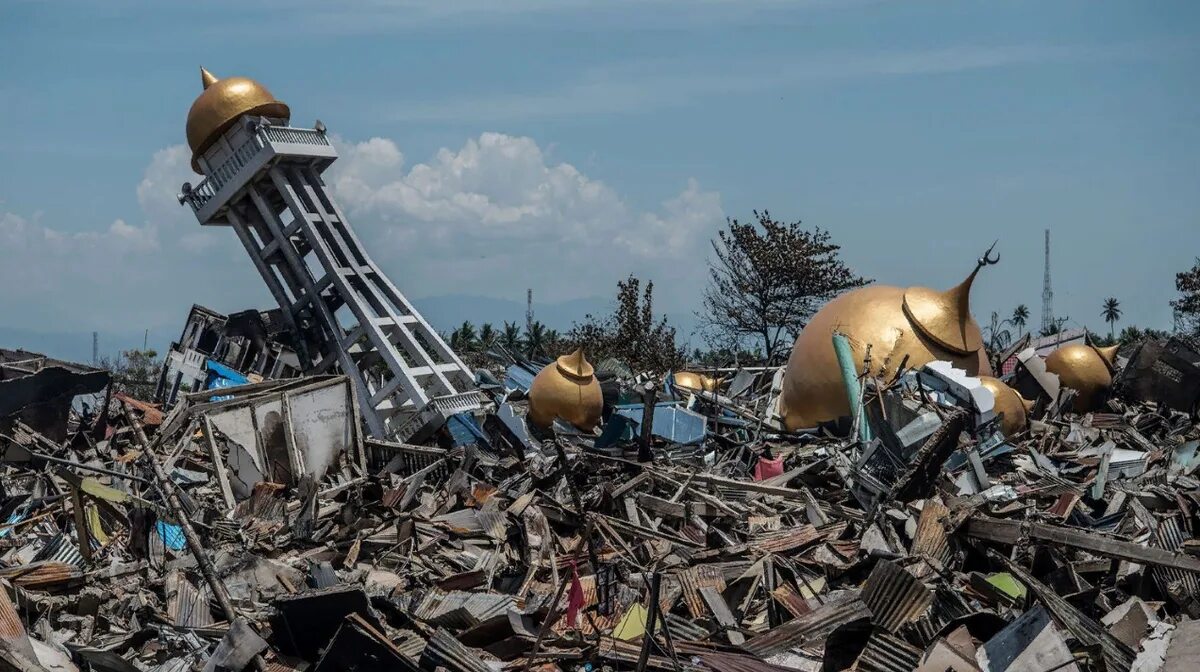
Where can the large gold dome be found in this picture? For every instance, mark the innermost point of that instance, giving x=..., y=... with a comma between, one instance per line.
x=1086, y=369
x=221, y=103
x=566, y=388
x=1009, y=402
x=924, y=324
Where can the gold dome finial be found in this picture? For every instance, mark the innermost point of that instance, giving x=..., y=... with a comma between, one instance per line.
x=945, y=317
x=575, y=364
x=223, y=102
x=567, y=389
x=207, y=79
x=1109, y=355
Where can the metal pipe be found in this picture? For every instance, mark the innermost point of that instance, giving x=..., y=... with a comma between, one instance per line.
x=845, y=357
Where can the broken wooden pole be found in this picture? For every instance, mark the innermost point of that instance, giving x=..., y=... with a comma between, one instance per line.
x=649, y=399
x=171, y=495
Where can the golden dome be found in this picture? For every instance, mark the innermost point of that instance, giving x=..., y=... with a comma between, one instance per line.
x=221, y=103
x=566, y=389
x=1009, y=402
x=696, y=381
x=924, y=324
x=1086, y=369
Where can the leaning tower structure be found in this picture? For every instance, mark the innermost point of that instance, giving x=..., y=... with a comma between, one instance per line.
x=262, y=178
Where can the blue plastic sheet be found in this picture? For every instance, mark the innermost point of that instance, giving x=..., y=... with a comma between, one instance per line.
x=671, y=422
x=172, y=535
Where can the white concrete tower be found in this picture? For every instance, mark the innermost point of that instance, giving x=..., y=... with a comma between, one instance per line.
x=263, y=179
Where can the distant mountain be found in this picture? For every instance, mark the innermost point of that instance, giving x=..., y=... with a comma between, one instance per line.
x=77, y=346
x=445, y=313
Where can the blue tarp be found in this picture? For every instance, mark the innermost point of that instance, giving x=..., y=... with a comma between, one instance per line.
x=518, y=378
x=220, y=376
x=671, y=421
x=464, y=430
x=172, y=535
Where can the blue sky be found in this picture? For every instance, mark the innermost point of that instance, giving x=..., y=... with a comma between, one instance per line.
x=559, y=145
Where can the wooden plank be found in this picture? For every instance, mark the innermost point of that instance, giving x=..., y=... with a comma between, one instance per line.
x=661, y=506
x=1012, y=531
x=722, y=614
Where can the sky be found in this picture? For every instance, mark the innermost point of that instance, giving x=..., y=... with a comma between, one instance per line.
x=560, y=145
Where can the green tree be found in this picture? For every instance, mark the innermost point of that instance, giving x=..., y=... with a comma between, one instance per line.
x=510, y=337
x=464, y=338
x=1019, y=317
x=487, y=336
x=1111, y=313
x=1187, y=306
x=631, y=334
x=134, y=372
x=769, y=277
x=535, y=339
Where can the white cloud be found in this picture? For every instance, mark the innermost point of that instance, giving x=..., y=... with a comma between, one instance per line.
x=497, y=216
x=493, y=217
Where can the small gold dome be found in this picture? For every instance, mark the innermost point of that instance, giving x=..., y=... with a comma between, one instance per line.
x=1009, y=402
x=1086, y=369
x=696, y=381
x=924, y=324
x=221, y=103
x=567, y=389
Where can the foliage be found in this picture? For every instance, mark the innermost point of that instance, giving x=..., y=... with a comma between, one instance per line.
x=1133, y=334
x=1111, y=313
x=134, y=372
x=1187, y=306
x=1019, y=317
x=995, y=336
x=769, y=277
x=631, y=334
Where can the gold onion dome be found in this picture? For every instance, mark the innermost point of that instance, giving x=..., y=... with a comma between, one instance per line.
x=923, y=324
x=1085, y=368
x=696, y=381
x=1010, y=403
x=566, y=388
x=220, y=105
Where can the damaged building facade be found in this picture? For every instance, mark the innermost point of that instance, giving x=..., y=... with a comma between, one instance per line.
x=890, y=500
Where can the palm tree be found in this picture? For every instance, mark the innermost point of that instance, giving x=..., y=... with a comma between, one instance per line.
x=463, y=338
x=553, y=341
x=510, y=338
x=535, y=339
x=487, y=336
x=1111, y=313
x=1019, y=317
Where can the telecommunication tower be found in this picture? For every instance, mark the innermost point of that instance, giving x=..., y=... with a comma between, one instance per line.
x=1048, y=322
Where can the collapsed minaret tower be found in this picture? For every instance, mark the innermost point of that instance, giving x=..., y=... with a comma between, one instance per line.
x=262, y=178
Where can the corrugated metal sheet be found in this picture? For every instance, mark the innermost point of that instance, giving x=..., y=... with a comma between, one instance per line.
x=785, y=540
x=930, y=539
x=894, y=596
x=187, y=606
x=811, y=627
x=886, y=653
x=732, y=662
x=1177, y=583
x=443, y=650
x=458, y=609
x=42, y=574
x=60, y=549
x=692, y=579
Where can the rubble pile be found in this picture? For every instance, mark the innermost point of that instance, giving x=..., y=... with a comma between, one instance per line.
x=258, y=527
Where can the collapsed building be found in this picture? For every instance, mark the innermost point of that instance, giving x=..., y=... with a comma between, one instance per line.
x=887, y=501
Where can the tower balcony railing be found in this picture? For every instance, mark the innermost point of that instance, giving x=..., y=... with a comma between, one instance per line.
x=277, y=139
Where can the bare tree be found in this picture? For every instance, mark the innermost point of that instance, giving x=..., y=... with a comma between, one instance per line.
x=769, y=277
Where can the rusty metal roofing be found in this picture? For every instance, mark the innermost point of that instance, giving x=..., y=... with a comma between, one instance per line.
x=887, y=653
x=894, y=596
x=930, y=539
x=811, y=627
x=692, y=579
x=1177, y=583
